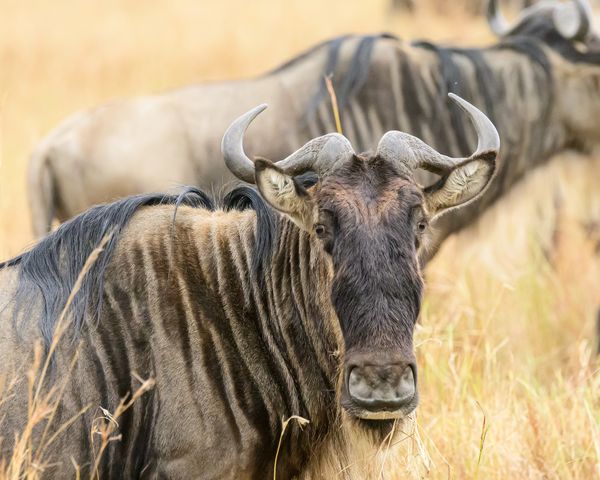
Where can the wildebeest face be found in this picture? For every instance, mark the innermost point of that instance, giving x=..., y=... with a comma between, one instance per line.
x=368, y=216
x=371, y=220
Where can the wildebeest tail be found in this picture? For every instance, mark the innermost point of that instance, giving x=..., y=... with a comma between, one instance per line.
x=40, y=192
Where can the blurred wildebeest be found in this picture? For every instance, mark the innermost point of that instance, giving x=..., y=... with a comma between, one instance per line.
x=303, y=304
x=474, y=7
x=538, y=84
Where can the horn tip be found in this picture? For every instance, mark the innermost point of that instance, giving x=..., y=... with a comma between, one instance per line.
x=456, y=98
x=462, y=102
x=254, y=112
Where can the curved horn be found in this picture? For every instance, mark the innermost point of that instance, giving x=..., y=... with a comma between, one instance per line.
x=496, y=20
x=502, y=28
x=320, y=154
x=488, y=139
x=573, y=20
x=232, y=146
x=412, y=153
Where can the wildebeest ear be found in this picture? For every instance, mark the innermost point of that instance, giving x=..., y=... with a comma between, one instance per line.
x=462, y=185
x=283, y=193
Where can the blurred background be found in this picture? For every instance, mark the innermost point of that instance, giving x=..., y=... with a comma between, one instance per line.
x=507, y=337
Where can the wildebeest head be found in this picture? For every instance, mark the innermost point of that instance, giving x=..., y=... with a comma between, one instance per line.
x=369, y=216
x=567, y=28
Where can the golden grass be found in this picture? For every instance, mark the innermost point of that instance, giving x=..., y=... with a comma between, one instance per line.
x=507, y=335
x=508, y=377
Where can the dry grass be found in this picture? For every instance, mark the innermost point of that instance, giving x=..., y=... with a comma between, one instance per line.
x=507, y=335
x=508, y=377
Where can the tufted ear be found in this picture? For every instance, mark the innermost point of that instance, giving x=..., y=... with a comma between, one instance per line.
x=462, y=185
x=284, y=193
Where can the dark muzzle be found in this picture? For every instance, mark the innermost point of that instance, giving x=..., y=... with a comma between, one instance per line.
x=390, y=387
x=376, y=390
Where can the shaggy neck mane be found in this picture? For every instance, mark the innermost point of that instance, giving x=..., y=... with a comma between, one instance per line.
x=51, y=268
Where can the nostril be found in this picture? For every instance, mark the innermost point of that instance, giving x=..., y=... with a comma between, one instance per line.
x=406, y=385
x=382, y=387
x=359, y=385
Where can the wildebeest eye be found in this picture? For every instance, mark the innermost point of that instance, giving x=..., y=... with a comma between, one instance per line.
x=420, y=228
x=320, y=230
x=419, y=220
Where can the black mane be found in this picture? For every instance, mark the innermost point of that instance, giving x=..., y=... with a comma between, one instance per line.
x=51, y=268
x=355, y=76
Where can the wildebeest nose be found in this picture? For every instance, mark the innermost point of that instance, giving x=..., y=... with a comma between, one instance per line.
x=388, y=387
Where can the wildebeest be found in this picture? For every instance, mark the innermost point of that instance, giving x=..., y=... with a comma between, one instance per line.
x=540, y=90
x=303, y=304
x=474, y=7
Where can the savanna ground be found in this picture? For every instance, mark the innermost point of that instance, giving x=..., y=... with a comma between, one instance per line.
x=506, y=342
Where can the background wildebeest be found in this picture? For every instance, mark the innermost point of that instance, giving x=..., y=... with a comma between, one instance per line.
x=472, y=6
x=303, y=305
x=528, y=83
